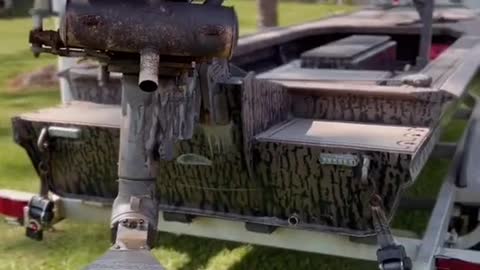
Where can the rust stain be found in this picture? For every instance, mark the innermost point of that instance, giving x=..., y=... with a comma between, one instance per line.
x=212, y=30
x=90, y=20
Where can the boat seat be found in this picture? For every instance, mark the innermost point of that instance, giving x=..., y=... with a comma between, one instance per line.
x=348, y=135
x=294, y=72
x=353, y=52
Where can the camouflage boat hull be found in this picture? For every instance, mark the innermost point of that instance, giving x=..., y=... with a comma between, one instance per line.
x=238, y=170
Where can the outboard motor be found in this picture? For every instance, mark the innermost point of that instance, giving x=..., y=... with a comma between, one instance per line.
x=157, y=45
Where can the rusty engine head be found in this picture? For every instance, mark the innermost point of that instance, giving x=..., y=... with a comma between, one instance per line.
x=153, y=29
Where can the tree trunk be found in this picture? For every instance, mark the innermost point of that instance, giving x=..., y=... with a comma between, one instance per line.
x=267, y=13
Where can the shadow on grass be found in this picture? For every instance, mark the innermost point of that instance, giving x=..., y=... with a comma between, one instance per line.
x=69, y=248
x=274, y=258
x=199, y=250
x=202, y=252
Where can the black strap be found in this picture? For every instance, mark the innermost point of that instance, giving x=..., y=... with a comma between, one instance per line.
x=390, y=256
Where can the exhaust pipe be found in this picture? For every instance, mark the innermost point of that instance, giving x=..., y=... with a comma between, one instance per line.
x=293, y=220
x=148, y=77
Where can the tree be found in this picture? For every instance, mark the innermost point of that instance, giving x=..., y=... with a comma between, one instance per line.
x=267, y=13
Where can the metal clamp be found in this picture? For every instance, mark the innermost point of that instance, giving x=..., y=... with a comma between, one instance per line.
x=132, y=234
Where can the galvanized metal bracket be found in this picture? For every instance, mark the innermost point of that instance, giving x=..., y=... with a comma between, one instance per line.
x=131, y=234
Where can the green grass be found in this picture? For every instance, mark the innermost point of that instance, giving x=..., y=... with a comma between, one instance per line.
x=73, y=245
x=289, y=13
x=15, y=58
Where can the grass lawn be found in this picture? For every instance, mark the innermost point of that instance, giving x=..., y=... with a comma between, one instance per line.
x=15, y=58
x=73, y=245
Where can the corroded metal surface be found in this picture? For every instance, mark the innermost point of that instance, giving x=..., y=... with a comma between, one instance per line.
x=185, y=29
